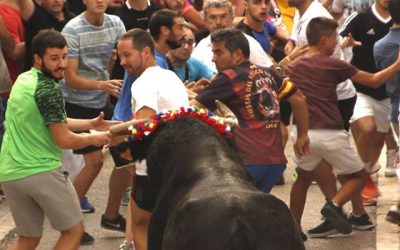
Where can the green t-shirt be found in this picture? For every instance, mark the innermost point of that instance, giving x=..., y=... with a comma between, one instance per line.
x=28, y=146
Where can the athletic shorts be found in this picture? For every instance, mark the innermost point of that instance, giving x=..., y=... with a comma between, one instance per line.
x=264, y=176
x=346, y=107
x=49, y=194
x=144, y=194
x=79, y=112
x=368, y=106
x=116, y=152
x=332, y=145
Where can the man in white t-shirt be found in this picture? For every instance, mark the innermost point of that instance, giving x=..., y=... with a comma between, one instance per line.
x=155, y=90
x=218, y=14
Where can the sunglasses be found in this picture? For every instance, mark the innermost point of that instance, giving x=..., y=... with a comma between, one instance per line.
x=188, y=42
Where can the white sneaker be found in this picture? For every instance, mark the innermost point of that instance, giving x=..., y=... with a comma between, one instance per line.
x=391, y=163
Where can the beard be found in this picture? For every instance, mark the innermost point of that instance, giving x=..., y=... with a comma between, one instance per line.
x=172, y=43
x=47, y=72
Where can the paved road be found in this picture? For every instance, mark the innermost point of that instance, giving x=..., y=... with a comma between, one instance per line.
x=110, y=240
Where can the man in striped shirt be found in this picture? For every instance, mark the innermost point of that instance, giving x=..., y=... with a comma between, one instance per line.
x=91, y=38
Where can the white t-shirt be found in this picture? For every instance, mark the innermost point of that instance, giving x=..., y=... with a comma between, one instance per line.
x=345, y=89
x=160, y=90
x=203, y=52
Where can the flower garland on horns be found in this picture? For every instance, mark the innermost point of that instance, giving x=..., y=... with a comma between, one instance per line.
x=140, y=130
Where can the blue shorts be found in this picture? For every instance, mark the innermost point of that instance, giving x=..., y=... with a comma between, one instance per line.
x=265, y=176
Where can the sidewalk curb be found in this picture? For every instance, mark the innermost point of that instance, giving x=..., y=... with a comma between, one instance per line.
x=7, y=230
x=387, y=234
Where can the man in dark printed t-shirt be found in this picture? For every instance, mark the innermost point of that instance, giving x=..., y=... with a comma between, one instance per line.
x=253, y=94
x=30, y=159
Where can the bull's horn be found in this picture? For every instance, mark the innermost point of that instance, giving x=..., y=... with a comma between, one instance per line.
x=226, y=114
x=232, y=121
x=122, y=128
x=223, y=110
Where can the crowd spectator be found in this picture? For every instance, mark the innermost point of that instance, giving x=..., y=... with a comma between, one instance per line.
x=252, y=94
x=91, y=37
x=369, y=123
x=30, y=165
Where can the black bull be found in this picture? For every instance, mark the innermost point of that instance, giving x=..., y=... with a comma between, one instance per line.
x=205, y=198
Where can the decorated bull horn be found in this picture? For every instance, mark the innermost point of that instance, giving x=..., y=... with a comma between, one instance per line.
x=122, y=128
x=232, y=121
x=226, y=115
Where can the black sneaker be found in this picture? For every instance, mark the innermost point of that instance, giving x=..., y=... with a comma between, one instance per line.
x=117, y=224
x=335, y=216
x=87, y=239
x=393, y=215
x=361, y=223
x=322, y=230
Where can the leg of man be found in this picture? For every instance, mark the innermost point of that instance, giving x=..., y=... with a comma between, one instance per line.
x=298, y=193
x=119, y=182
x=391, y=153
x=305, y=175
x=394, y=114
x=356, y=202
x=369, y=125
x=143, y=200
x=390, y=140
x=369, y=142
x=334, y=146
x=140, y=226
x=63, y=210
x=70, y=239
x=350, y=188
x=325, y=179
x=93, y=164
x=345, y=161
x=25, y=243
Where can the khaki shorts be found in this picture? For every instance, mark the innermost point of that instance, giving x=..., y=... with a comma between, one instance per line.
x=49, y=194
x=368, y=106
x=332, y=145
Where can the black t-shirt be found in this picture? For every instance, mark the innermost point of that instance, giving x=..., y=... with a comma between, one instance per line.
x=76, y=6
x=245, y=28
x=132, y=19
x=367, y=28
x=136, y=18
x=40, y=20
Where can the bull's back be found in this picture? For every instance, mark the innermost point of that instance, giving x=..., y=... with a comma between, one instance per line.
x=234, y=220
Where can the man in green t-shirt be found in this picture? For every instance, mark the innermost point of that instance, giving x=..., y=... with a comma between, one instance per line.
x=37, y=130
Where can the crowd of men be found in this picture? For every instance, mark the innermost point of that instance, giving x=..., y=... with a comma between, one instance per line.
x=69, y=70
